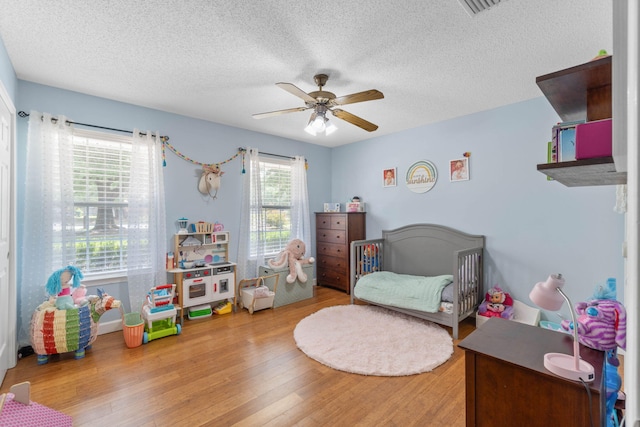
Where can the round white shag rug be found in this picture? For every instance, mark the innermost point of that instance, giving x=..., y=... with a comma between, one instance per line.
x=370, y=340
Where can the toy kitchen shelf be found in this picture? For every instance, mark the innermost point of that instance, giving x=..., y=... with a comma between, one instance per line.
x=213, y=281
x=582, y=92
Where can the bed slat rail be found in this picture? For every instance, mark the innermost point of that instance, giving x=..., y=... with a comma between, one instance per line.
x=366, y=257
x=470, y=281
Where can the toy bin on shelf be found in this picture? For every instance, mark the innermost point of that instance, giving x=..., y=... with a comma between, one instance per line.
x=288, y=293
x=133, y=329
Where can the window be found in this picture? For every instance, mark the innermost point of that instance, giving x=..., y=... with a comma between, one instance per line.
x=101, y=165
x=275, y=180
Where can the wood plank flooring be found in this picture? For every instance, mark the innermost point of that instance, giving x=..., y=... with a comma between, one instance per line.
x=238, y=370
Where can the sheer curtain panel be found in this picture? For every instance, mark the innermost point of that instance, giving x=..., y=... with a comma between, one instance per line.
x=253, y=222
x=300, y=215
x=48, y=236
x=146, y=222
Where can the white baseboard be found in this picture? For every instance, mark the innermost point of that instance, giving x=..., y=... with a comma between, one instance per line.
x=108, y=327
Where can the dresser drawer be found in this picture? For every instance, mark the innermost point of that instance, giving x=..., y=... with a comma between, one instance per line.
x=331, y=249
x=340, y=265
x=333, y=222
x=332, y=236
x=332, y=278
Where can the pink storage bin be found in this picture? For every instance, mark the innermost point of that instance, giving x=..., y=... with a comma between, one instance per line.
x=593, y=139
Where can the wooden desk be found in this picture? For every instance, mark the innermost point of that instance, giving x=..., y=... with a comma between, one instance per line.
x=506, y=382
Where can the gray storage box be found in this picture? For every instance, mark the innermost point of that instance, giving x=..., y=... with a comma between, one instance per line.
x=288, y=293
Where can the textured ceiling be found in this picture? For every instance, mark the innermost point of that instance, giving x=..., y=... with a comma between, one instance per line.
x=220, y=60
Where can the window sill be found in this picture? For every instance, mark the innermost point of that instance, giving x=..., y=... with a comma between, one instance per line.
x=101, y=279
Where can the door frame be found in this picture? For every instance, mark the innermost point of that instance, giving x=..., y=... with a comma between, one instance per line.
x=12, y=304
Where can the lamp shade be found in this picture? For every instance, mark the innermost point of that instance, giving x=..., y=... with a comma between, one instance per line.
x=546, y=295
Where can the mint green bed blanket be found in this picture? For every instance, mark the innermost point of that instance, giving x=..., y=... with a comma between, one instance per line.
x=402, y=290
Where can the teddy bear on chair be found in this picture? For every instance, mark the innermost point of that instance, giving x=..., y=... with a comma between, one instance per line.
x=292, y=256
x=497, y=303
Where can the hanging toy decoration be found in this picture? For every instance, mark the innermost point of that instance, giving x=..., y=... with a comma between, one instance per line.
x=210, y=180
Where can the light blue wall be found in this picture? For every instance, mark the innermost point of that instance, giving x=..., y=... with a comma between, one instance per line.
x=7, y=73
x=197, y=139
x=533, y=227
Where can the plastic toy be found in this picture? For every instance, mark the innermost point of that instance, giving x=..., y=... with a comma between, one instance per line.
x=497, y=303
x=292, y=256
x=159, y=313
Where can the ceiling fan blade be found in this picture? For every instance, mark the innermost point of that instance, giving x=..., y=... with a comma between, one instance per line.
x=354, y=120
x=367, y=95
x=295, y=90
x=278, y=112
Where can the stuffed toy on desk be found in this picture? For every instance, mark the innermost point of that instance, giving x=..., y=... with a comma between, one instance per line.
x=497, y=303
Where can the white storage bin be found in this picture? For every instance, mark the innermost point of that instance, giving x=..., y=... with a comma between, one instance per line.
x=521, y=313
x=251, y=303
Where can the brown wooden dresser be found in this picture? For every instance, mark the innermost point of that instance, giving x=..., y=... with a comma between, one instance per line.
x=334, y=233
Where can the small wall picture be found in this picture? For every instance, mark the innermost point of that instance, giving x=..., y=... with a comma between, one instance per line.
x=389, y=177
x=459, y=169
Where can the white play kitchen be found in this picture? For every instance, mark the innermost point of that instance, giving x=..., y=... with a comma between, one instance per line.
x=202, y=271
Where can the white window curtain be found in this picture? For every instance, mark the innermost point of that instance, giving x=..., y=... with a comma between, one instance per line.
x=253, y=222
x=251, y=211
x=49, y=239
x=300, y=215
x=48, y=221
x=146, y=228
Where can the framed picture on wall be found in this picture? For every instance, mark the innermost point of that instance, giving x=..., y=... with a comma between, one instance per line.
x=389, y=177
x=459, y=169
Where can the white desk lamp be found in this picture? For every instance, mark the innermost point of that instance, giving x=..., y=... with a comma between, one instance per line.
x=549, y=295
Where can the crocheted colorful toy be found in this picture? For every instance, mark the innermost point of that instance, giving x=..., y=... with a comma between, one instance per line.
x=497, y=303
x=291, y=256
x=55, y=331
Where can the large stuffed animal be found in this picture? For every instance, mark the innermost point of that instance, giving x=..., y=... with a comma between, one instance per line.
x=291, y=256
x=602, y=325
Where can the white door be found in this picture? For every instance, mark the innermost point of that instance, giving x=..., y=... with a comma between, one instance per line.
x=8, y=290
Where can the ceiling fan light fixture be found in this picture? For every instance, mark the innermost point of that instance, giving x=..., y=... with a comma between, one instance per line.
x=330, y=128
x=318, y=124
x=309, y=129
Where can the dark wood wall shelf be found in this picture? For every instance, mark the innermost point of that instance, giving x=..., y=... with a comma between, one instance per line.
x=582, y=92
x=579, y=173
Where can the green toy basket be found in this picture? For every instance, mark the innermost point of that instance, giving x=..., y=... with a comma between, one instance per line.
x=133, y=329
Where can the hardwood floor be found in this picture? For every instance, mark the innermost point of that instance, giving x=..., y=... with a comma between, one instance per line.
x=238, y=369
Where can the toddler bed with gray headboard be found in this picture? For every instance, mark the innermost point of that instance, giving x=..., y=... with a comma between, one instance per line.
x=429, y=271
